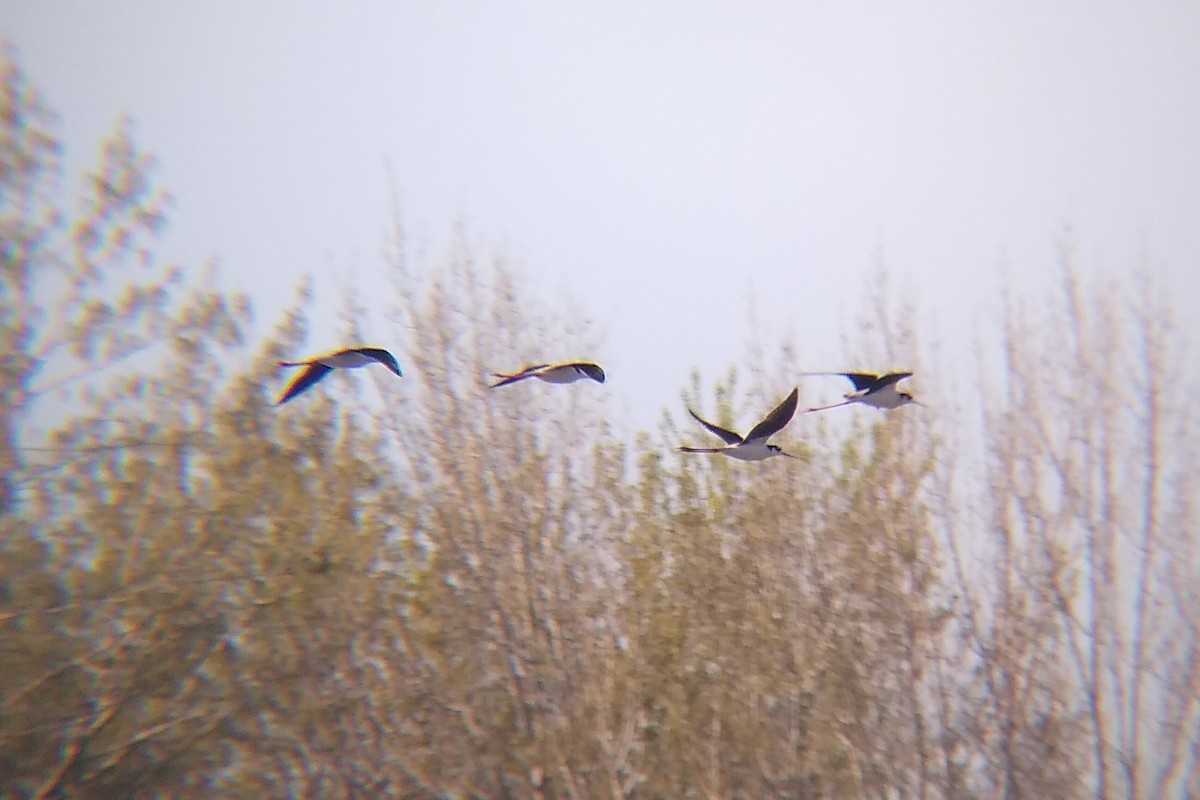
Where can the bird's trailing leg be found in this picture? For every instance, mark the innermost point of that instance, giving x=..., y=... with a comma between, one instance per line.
x=826, y=408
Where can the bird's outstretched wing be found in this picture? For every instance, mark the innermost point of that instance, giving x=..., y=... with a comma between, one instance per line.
x=889, y=379
x=311, y=375
x=727, y=436
x=861, y=380
x=774, y=422
x=868, y=381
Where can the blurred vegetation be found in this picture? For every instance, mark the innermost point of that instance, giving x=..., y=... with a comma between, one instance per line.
x=457, y=593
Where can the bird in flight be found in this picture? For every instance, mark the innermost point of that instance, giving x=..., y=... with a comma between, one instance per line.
x=753, y=446
x=870, y=389
x=567, y=372
x=319, y=367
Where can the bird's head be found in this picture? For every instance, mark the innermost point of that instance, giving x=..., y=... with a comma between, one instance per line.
x=907, y=398
x=778, y=451
x=593, y=371
x=389, y=361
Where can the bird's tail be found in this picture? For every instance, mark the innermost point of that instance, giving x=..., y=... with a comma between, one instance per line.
x=700, y=449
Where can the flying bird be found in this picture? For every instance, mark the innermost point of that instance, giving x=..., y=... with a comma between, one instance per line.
x=753, y=446
x=319, y=367
x=567, y=372
x=870, y=389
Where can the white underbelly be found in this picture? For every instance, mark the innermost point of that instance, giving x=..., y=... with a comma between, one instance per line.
x=560, y=375
x=346, y=360
x=749, y=452
x=885, y=398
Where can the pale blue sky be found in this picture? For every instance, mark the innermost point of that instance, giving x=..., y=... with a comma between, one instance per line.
x=657, y=162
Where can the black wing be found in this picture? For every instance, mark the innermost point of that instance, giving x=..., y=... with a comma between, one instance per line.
x=863, y=380
x=593, y=371
x=774, y=422
x=311, y=375
x=729, y=437
x=883, y=381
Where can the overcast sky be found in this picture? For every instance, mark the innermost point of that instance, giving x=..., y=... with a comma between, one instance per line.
x=660, y=163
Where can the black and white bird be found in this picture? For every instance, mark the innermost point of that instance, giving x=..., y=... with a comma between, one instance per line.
x=753, y=446
x=870, y=389
x=319, y=367
x=566, y=372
